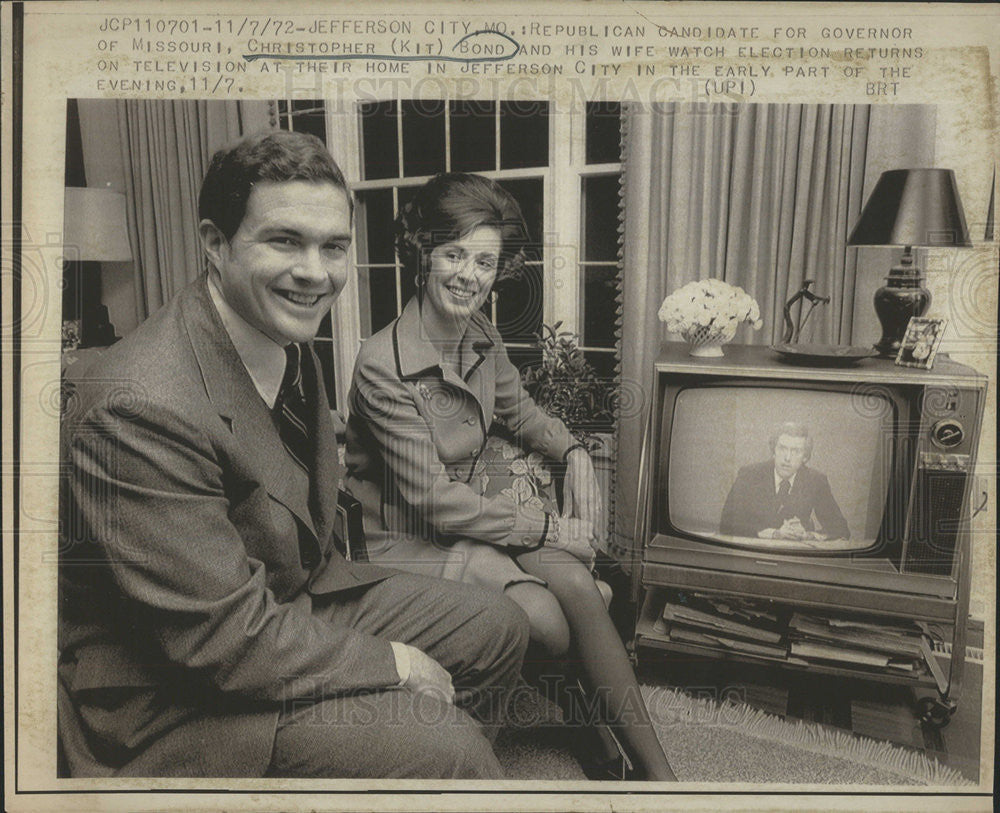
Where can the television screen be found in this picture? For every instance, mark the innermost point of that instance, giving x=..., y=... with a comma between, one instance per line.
x=779, y=468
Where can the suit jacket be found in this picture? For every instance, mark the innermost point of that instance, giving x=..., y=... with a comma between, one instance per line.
x=753, y=505
x=416, y=431
x=190, y=560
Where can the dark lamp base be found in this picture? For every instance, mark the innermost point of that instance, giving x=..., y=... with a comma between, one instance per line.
x=896, y=302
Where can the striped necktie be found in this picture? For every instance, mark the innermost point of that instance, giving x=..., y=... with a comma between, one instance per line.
x=293, y=414
x=784, y=489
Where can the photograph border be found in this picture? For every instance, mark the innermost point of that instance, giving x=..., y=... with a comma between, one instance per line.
x=21, y=627
x=910, y=339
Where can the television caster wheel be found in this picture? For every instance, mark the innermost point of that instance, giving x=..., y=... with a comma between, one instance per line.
x=633, y=654
x=934, y=713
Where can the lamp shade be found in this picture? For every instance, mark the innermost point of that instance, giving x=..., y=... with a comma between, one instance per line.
x=95, y=226
x=913, y=207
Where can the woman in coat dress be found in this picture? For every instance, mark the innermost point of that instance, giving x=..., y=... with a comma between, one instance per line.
x=427, y=390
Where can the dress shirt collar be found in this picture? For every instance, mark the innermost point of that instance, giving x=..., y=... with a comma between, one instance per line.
x=263, y=358
x=416, y=354
x=778, y=478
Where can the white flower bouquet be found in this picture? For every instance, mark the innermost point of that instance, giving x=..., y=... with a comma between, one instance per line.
x=707, y=312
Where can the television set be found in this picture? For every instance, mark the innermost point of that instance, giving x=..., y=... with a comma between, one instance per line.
x=828, y=484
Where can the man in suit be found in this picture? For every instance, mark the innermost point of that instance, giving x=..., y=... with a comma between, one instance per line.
x=209, y=623
x=782, y=498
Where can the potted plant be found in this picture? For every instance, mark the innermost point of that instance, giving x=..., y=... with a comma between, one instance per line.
x=566, y=386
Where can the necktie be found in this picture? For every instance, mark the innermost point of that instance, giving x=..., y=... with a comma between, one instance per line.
x=292, y=407
x=293, y=420
x=784, y=487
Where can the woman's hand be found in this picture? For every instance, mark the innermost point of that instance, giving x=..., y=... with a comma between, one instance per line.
x=581, y=492
x=576, y=537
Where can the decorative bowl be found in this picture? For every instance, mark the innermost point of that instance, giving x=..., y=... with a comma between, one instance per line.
x=706, y=342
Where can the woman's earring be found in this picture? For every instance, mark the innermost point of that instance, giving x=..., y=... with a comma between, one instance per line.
x=493, y=297
x=418, y=280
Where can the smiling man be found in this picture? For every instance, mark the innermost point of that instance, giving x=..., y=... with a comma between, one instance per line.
x=210, y=624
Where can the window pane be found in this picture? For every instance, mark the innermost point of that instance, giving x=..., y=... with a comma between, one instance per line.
x=324, y=349
x=603, y=364
x=599, y=307
x=519, y=305
x=408, y=287
x=309, y=117
x=523, y=357
x=382, y=303
x=600, y=224
x=524, y=134
x=423, y=137
x=528, y=192
x=376, y=210
x=408, y=284
x=473, y=136
x=604, y=132
x=381, y=149
x=520, y=300
x=406, y=193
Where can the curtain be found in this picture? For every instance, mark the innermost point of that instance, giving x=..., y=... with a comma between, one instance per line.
x=166, y=147
x=762, y=196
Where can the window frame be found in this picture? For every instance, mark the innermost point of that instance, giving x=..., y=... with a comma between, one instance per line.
x=563, y=266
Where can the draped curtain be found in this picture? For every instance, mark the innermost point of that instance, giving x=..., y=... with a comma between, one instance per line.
x=166, y=147
x=761, y=196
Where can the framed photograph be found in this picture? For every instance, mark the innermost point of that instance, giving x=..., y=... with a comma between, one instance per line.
x=921, y=342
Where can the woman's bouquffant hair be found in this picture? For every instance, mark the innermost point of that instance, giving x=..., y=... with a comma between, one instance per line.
x=452, y=204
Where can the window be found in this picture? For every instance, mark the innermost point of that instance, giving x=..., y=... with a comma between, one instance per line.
x=562, y=167
x=310, y=117
x=599, y=196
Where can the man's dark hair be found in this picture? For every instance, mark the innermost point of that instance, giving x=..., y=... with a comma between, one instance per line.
x=268, y=156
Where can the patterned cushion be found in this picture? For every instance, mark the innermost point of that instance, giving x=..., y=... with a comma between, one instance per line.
x=505, y=468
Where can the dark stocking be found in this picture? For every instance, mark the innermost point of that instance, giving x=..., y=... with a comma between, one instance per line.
x=604, y=664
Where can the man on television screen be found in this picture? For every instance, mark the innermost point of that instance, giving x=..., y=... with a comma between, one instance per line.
x=782, y=498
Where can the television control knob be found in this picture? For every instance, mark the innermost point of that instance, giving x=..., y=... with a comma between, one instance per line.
x=947, y=433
